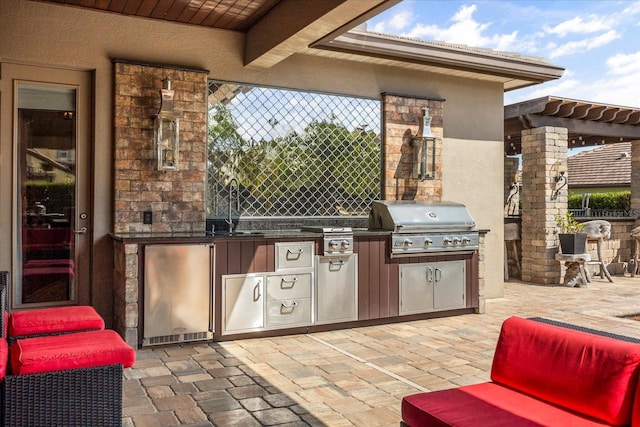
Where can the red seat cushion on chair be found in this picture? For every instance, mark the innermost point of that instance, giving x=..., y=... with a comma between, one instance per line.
x=71, y=351
x=4, y=357
x=54, y=320
x=486, y=405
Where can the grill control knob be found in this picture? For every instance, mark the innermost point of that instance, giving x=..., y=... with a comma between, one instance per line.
x=456, y=241
x=408, y=242
x=428, y=241
x=466, y=240
x=333, y=244
x=447, y=241
x=346, y=244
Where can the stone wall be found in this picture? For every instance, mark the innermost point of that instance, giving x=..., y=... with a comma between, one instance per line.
x=175, y=198
x=402, y=120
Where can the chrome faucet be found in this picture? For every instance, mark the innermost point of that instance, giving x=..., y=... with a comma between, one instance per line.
x=233, y=184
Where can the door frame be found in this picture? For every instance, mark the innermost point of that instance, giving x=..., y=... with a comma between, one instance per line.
x=11, y=75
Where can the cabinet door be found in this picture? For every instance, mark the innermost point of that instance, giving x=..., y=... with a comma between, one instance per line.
x=336, y=289
x=416, y=288
x=449, y=285
x=243, y=303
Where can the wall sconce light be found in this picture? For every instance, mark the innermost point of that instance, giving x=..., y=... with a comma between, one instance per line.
x=166, y=131
x=560, y=179
x=423, y=146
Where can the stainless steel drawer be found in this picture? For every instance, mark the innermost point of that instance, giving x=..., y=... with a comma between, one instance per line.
x=289, y=286
x=294, y=255
x=290, y=312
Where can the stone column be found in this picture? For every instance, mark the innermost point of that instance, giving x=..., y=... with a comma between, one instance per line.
x=635, y=175
x=544, y=151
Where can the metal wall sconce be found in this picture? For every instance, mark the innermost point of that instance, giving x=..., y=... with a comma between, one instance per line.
x=560, y=179
x=166, y=131
x=424, y=147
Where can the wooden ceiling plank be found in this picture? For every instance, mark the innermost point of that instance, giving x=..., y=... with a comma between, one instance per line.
x=146, y=8
x=189, y=12
x=204, y=11
x=219, y=11
x=176, y=9
x=117, y=5
x=132, y=7
x=161, y=9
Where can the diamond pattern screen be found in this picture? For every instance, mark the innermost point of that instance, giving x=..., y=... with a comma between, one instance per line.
x=283, y=153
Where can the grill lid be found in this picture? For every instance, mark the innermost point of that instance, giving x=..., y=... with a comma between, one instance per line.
x=410, y=216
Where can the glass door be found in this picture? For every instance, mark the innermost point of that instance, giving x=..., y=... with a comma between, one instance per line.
x=51, y=226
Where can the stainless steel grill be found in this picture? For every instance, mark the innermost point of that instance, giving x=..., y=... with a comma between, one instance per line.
x=423, y=227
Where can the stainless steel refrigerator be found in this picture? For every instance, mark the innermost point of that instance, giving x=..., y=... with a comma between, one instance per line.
x=177, y=293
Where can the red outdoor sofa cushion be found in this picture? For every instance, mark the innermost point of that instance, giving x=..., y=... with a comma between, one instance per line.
x=46, y=321
x=542, y=375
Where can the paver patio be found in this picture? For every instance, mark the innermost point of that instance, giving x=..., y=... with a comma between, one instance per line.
x=353, y=377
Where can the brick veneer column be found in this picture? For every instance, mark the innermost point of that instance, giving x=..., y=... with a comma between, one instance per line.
x=175, y=198
x=542, y=148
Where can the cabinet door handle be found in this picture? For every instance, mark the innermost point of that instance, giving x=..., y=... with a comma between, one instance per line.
x=429, y=274
x=438, y=275
x=256, y=291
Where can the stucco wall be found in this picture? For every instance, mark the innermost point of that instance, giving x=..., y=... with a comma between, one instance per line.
x=52, y=35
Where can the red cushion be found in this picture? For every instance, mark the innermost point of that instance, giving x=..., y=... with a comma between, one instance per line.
x=77, y=350
x=587, y=373
x=4, y=357
x=54, y=320
x=486, y=405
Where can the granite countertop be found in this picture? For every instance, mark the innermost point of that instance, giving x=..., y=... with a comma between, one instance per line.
x=204, y=237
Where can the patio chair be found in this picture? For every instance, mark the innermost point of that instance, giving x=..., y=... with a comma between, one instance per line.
x=75, y=381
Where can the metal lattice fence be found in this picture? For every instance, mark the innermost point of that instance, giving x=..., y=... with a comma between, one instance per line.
x=277, y=152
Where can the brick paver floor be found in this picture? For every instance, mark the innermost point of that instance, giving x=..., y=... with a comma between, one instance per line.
x=351, y=377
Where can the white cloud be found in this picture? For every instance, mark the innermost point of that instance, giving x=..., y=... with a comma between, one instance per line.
x=578, y=25
x=398, y=22
x=624, y=64
x=579, y=46
x=464, y=30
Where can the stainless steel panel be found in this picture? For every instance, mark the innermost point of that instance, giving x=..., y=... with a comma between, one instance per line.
x=242, y=303
x=434, y=286
x=294, y=255
x=287, y=286
x=289, y=312
x=336, y=288
x=177, y=293
x=416, y=288
x=434, y=242
x=449, y=290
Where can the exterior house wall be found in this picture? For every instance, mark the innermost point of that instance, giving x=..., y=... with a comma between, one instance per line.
x=74, y=38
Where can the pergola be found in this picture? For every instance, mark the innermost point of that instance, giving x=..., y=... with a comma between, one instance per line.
x=542, y=130
x=588, y=123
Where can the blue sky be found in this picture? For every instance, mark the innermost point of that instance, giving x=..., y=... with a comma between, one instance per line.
x=597, y=42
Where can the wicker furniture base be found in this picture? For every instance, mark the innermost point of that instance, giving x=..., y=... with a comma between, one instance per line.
x=80, y=397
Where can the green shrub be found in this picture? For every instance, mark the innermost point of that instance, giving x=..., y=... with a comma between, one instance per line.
x=618, y=200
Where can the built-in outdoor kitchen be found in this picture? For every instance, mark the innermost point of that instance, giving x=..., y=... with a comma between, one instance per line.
x=402, y=255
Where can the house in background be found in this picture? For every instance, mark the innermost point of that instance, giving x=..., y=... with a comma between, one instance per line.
x=602, y=170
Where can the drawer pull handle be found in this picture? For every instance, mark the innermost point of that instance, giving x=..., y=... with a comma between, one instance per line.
x=288, y=284
x=293, y=305
x=297, y=252
x=334, y=262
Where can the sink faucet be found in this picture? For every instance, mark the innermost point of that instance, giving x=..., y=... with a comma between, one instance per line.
x=234, y=189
